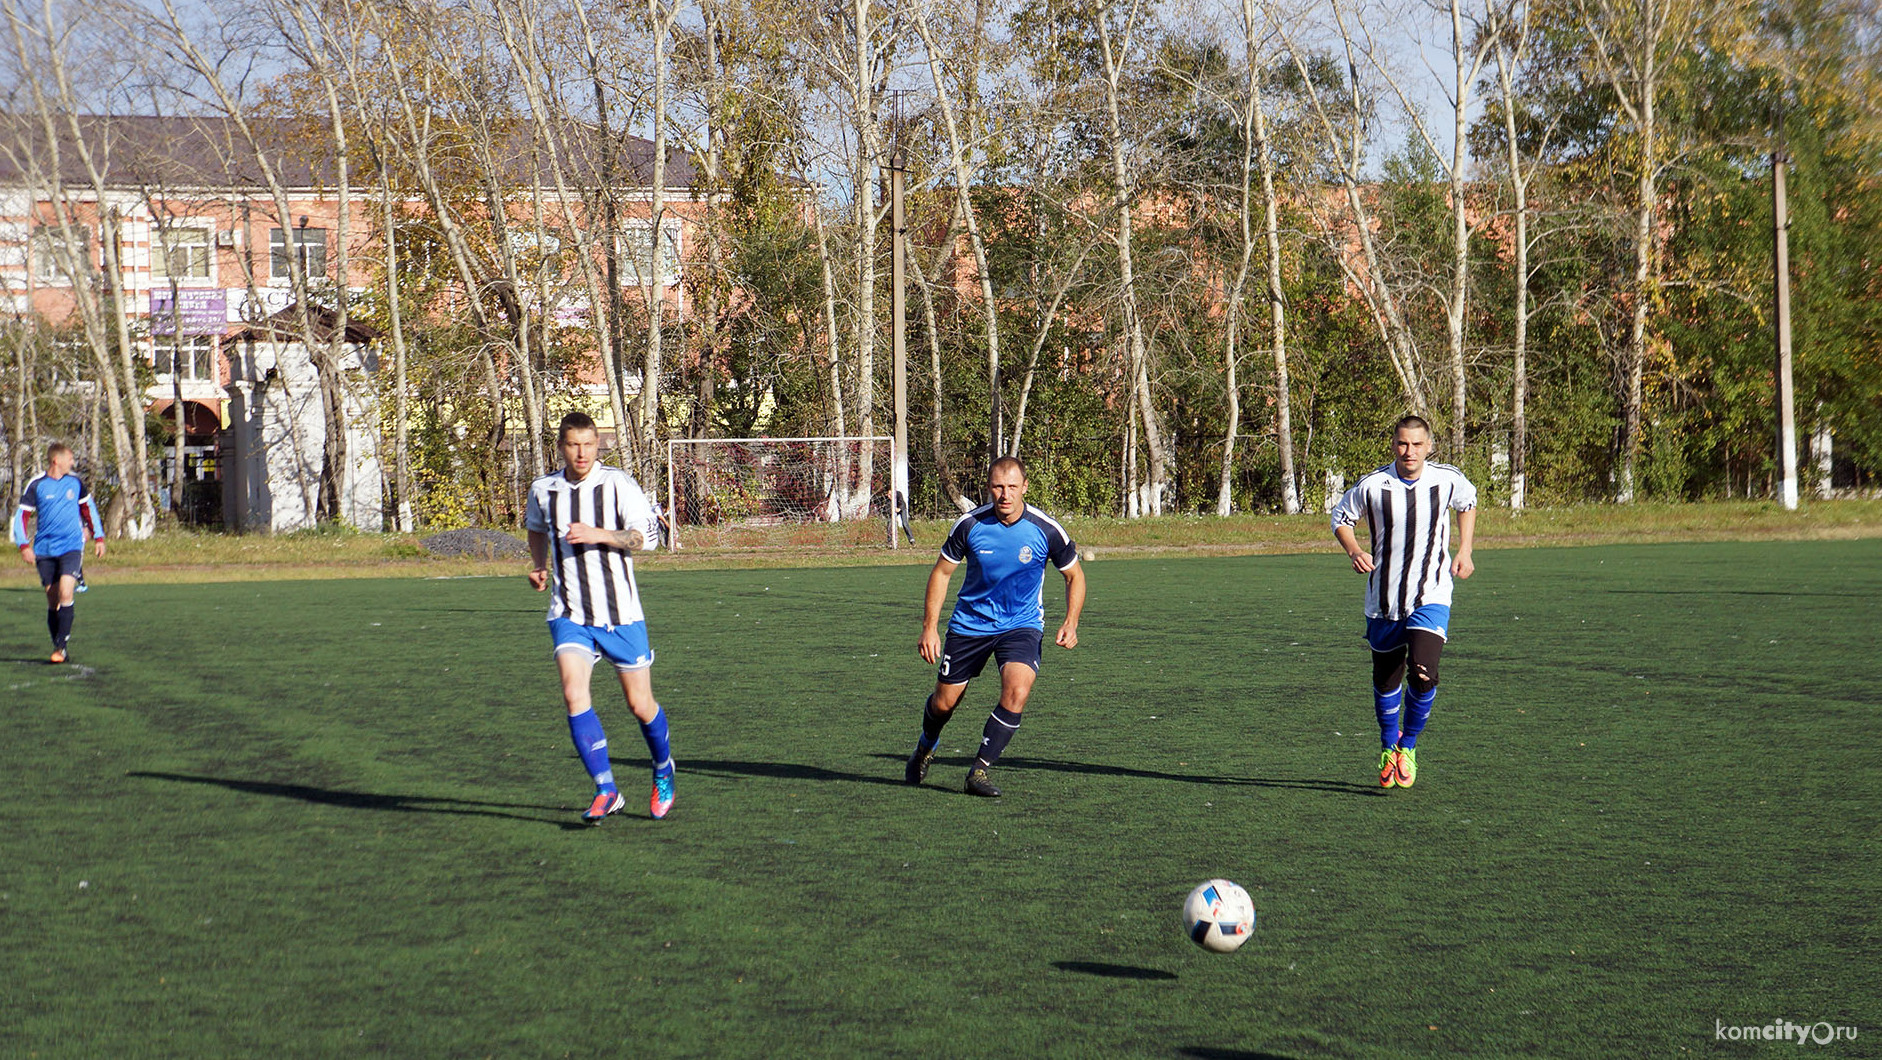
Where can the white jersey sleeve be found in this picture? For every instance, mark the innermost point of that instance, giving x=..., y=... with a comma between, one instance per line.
x=636, y=513
x=1351, y=506
x=535, y=519
x=1463, y=494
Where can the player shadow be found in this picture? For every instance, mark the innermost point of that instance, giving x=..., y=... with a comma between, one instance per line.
x=1112, y=971
x=1733, y=592
x=1093, y=769
x=537, y=610
x=366, y=800
x=772, y=771
x=1206, y=1052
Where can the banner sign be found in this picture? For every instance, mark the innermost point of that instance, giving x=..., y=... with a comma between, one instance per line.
x=199, y=311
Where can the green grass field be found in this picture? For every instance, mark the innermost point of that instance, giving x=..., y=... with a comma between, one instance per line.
x=339, y=818
x=190, y=556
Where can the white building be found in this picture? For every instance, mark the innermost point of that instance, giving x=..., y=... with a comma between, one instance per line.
x=273, y=448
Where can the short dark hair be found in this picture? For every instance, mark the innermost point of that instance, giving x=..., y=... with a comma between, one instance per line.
x=53, y=450
x=1410, y=420
x=1006, y=461
x=574, y=421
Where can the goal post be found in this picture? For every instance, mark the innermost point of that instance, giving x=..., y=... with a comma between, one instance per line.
x=758, y=483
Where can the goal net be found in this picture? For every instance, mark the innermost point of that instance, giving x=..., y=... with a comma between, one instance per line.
x=732, y=490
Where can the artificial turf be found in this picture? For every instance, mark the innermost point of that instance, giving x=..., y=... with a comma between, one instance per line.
x=341, y=818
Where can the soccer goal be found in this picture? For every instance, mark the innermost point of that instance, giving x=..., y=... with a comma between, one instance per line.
x=752, y=484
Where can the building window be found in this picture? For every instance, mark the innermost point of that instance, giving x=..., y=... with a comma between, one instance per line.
x=181, y=253
x=197, y=357
x=635, y=250
x=311, y=243
x=59, y=259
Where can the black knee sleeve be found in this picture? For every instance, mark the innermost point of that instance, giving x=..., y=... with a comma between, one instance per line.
x=1423, y=648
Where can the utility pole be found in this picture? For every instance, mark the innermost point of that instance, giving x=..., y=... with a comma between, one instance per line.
x=1786, y=397
x=898, y=303
x=176, y=381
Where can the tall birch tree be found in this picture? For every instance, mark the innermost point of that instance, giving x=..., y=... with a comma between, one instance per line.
x=1633, y=42
x=1469, y=47
x=63, y=127
x=1118, y=25
x=1342, y=123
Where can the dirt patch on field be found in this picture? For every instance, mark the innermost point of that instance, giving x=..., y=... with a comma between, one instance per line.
x=475, y=544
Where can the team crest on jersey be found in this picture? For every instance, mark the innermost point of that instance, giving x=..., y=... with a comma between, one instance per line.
x=70, y=493
x=1025, y=554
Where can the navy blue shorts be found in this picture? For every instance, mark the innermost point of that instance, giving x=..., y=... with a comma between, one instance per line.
x=963, y=657
x=64, y=565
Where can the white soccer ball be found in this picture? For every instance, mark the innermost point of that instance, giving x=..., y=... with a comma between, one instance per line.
x=1219, y=916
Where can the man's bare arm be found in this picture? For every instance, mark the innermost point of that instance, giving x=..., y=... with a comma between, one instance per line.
x=1074, y=605
x=1464, y=565
x=583, y=534
x=1349, y=542
x=539, y=560
x=929, y=645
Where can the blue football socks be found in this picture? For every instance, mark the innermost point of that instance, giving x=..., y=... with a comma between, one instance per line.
x=1416, y=714
x=1385, y=705
x=592, y=745
x=1001, y=725
x=655, y=732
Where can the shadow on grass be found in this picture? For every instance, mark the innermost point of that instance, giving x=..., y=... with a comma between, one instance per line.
x=1093, y=769
x=1733, y=592
x=776, y=771
x=366, y=800
x=1204, y=1052
x=1112, y=971
x=537, y=610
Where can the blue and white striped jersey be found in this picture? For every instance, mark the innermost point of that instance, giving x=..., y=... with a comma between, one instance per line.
x=1006, y=567
x=1410, y=527
x=591, y=585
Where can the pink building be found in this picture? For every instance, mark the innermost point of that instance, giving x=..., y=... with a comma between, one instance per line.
x=208, y=235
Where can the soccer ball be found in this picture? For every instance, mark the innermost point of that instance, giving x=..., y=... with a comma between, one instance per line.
x=1219, y=916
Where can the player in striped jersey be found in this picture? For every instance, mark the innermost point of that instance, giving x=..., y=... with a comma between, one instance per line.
x=584, y=524
x=999, y=615
x=1407, y=507
x=55, y=516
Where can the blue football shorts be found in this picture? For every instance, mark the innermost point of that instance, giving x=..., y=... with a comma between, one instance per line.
x=63, y=565
x=1385, y=634
x=964, y=656
x=624, y=646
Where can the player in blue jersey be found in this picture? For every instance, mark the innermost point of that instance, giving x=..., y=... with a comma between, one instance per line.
x=999, y=614
x=1407, y=506
x=585, y=522
x=55, y=516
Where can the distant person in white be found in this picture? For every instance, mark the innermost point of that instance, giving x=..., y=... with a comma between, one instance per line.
x=584, y=523
x=1407, y=507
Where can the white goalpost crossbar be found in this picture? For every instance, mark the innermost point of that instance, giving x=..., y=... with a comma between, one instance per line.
x=773, y=481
